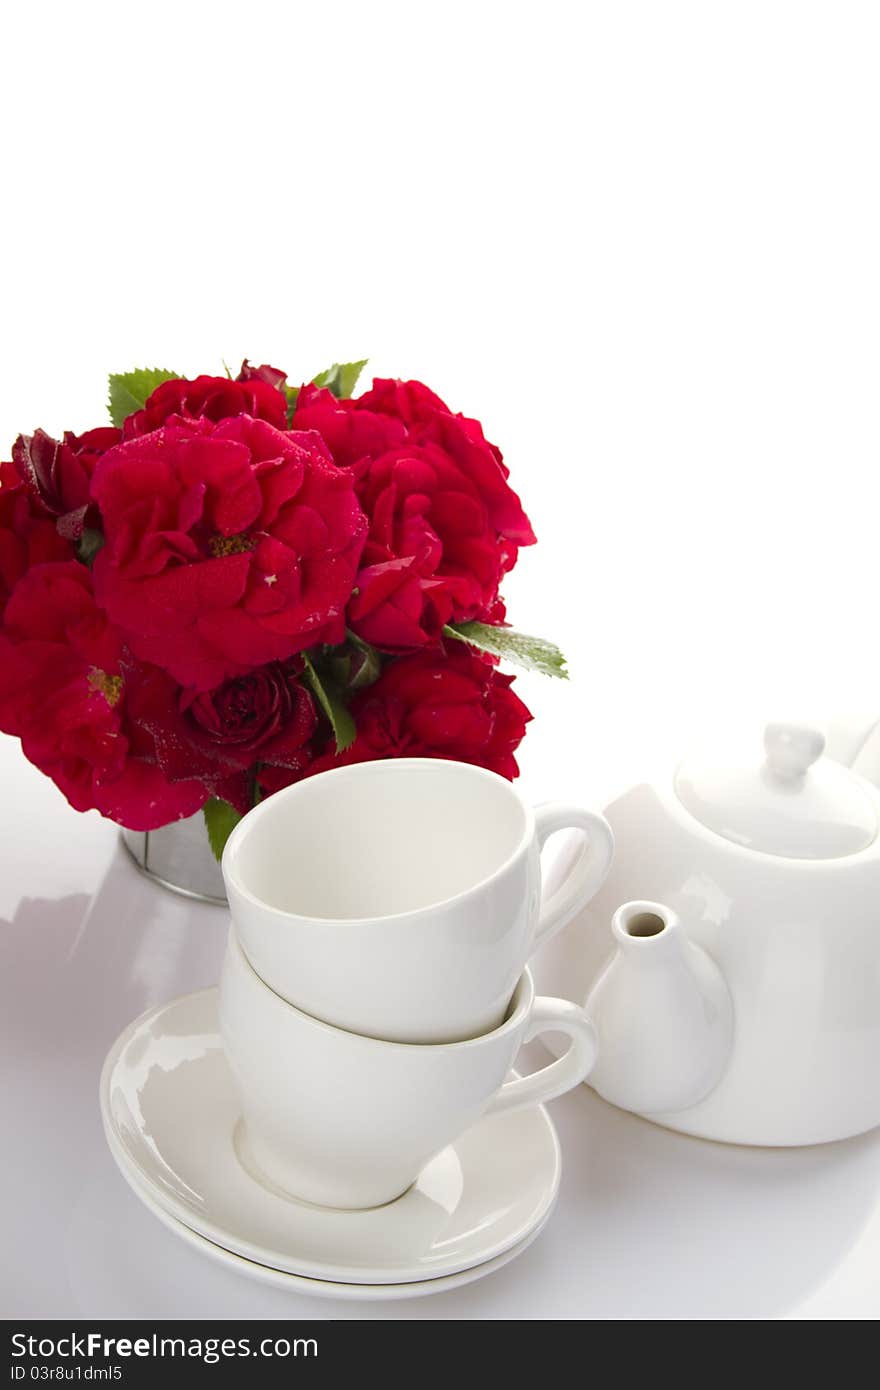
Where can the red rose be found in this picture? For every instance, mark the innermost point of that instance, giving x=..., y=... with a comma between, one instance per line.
x=58, y=475
x=27, y=538
x=227, y=546
x=274, y=778
x=445, y=526
x=273, y=376
x=210, y=398
x=437, y=704
x=63, y=692
x=225, y=737
x=413, y=403
x=350, y=433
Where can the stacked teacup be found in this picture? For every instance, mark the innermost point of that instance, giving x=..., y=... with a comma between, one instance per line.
x=375, y=993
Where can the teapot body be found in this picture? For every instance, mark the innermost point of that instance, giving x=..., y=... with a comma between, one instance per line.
x=798, y=944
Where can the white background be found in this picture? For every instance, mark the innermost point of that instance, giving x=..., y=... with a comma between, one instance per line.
x=640, y=241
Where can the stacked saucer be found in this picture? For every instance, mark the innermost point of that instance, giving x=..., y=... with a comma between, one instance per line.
x=171, y=1117
x=340, y=1115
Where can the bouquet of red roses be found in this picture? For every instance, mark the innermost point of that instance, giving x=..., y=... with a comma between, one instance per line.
x=239, y=583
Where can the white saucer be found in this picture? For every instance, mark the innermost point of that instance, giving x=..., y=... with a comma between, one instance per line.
x=171, y=1118
x=325, y=1288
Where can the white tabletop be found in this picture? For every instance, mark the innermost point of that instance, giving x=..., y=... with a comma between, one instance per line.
x=649, y=1225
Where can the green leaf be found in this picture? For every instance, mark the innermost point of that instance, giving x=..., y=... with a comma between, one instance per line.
x=220, y=821
x=88, y=545
x=292, y=394
x=330, y=699
x=340, y=668
x=129, y=390
x=369, y=668
x=352, y=665
x=532, y=653
x=341, y=378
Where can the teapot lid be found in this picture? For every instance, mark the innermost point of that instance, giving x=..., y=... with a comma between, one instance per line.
x=793, y=803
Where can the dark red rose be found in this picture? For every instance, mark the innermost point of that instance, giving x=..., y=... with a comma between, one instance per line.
x=445, y=526
x=227, y=546
x=27, y=537
x=272, y=778
x=210, y=398
x=263, y=716
x=228, y=736
x=435, y=704
x=58, y=474
x=63, y=693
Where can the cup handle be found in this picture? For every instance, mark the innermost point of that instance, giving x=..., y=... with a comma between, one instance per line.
x=588, y=872
x=575, y=1064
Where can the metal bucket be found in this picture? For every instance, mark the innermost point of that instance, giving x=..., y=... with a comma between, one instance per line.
x=179, y=857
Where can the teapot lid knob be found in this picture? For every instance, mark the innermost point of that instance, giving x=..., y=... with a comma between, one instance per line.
x=792, y=749
x=792, y=803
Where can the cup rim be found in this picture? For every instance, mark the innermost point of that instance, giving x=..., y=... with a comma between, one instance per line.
x=521, y=1002
x=393, y=767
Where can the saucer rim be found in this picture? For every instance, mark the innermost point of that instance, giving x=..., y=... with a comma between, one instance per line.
x=215, y=1234
x=339, y=1289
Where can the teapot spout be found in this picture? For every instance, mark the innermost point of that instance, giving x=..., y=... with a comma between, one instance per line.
x=663, y=1014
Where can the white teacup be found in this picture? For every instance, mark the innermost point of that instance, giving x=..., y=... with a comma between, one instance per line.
x=343, y=1120
x=402, y=898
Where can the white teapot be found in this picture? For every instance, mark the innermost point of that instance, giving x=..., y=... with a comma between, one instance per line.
x=854, y=739
x=737, y=996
